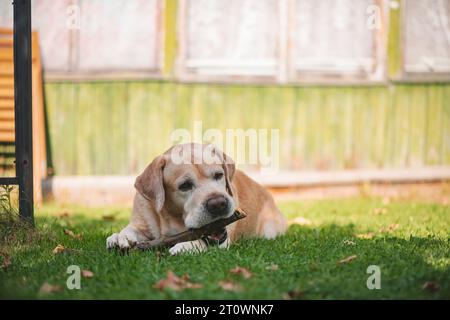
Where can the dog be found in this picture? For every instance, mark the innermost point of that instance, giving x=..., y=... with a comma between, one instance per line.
x=179, y=190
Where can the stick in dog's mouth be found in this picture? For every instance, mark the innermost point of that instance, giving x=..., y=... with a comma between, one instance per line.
x=215, y=229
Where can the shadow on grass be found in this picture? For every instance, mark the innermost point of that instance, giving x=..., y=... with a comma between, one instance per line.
x=307, y=259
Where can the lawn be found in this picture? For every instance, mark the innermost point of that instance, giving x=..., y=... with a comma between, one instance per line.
x=409, y=241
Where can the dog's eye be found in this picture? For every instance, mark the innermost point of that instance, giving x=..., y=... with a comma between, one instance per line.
x=218, y=175
x=186, y=186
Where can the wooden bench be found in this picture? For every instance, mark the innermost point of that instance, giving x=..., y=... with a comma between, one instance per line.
x=7, y=133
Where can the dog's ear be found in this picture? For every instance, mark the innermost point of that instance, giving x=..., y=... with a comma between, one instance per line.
x=150, y=183
x=229, y=167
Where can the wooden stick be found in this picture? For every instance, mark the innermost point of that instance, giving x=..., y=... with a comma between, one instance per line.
x=192, y=234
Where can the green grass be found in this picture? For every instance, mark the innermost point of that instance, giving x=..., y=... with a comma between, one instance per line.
x=307, y=256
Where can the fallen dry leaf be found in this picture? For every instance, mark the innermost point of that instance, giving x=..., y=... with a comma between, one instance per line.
x=272, y=267
x=379, y=211
x=369, y=235
x=349, y=242
x=431, y=286
x=293, y=294
x=6, y=262
x=47, y=288
x=242, y=271
x=300, y=221
x=172, y=281
x=109, y=217
x=348, y=259
x=230, y=286
x=64, y=214
x=87, y=273
x=70, y=233
x=389, y=228
x=59, y=249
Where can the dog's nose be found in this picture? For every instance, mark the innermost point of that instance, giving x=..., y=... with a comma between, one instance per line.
x=217, y=205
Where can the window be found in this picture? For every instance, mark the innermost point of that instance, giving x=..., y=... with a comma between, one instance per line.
x=337, y=38
x=118, y=35
x=427, y=39
x=49, y=18
x=233, y=37
x=96, y=38
x=288, y=40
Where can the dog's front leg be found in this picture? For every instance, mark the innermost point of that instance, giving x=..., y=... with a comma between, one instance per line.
x=195, y=246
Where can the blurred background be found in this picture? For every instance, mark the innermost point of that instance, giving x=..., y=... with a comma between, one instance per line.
x=359, y=89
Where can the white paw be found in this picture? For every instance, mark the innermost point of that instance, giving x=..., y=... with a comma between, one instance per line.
x=188, y=247
x=112, y=241
x=126, y=239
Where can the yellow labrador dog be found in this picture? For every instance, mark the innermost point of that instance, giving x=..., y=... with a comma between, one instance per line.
x=191, y=185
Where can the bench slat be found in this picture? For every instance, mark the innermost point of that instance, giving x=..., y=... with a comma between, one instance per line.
x=7, y=115
x=6, y=54
x=6, y=31
x=6, y=125
x=6, y=104
x=7, y=136
x=6, y=42
x=7, y=81
x=7, y=68
x=7, y=93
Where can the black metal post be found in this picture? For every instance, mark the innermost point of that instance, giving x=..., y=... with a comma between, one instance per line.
x=23, y=107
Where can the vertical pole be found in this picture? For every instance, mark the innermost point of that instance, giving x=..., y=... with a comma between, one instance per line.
x=23, y=108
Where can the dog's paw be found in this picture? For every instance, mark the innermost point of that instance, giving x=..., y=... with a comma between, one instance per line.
x=127, y=239
x=112, y=241
x=188, y=247
x=124, y=240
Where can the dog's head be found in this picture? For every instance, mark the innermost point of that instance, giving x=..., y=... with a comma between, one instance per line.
x=191, y=180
